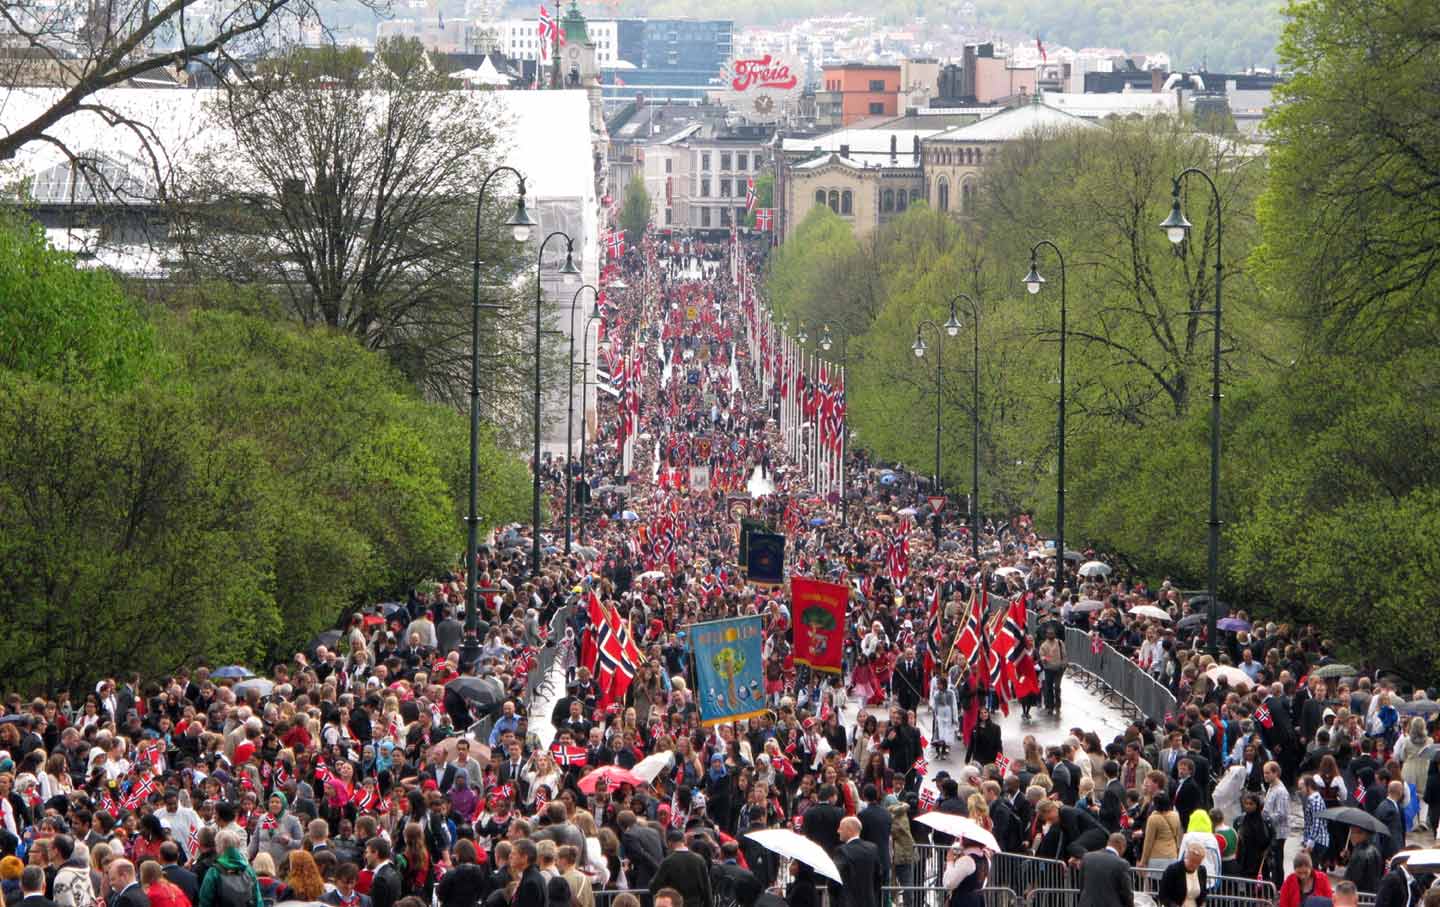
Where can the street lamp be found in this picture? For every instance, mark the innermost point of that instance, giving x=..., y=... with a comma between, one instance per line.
x=519, y=224
x=570, y=408
x=1033, y=283
x=567, y=270
x=1177, y=228
x=585, y=405
x=974, y=417
x=951, y=328
x=827, y=340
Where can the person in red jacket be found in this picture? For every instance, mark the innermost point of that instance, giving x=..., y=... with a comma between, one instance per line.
x=1304, y=882
x=161, y=891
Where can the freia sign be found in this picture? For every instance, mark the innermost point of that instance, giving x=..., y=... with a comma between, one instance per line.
x=764, y=72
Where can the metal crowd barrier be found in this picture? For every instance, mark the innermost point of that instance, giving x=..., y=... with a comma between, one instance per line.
x=937, y=896
x=1052, y=897
x=605, y=897
x=1012, y=871
x=1116, y=678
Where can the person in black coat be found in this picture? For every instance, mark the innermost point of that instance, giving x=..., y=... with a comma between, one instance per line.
x=859, y=864
x=641, y=845
x=467, y=883
x=902, y=742
x=1398, y=889
x=985, y=742
x=685, y=871
x=32, y=888
x=804, y=889
x=875, y=822
x=128, y=890
x=1187, y=795
x=530, y=891
x=1070, y=833
x=821, y=822
x=1106, y=880
x=176, y=874
x=908, y=681
x=385, y=884
x=728, y=879
x=1112, y=799
x=1365, y=864
x=1174, y=881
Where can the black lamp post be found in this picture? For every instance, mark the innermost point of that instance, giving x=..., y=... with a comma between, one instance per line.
x=974, y=425
x=1033, y=283
x=1177, y=228
x=827, y=340
x=585, y=411
x=519, y=224
x=567, y=269
x=952, y=328
x=570, y=409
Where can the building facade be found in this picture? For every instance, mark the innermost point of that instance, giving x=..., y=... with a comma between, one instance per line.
x=697, y=178
x=854, y=91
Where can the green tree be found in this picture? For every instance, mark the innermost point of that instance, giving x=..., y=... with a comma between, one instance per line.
x=1352, y=214
x=61, y=323
x=635, y=214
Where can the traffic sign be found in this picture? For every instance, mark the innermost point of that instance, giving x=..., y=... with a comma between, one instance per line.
x=937, y=502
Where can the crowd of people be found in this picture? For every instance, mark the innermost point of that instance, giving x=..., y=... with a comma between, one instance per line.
x=356, y=775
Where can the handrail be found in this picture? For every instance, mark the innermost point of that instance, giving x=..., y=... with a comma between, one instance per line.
x=1134, y=688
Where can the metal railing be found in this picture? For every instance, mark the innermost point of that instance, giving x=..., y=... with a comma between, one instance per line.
x=937, y=896
x=1012, y=871
x=605, y=897
x=1117, y=679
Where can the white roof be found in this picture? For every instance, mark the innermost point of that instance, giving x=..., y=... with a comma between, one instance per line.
x=1016, y=122
x=1114, y=103
x=865, y=141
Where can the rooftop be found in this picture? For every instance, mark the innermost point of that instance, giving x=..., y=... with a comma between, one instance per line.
x=1014, y=123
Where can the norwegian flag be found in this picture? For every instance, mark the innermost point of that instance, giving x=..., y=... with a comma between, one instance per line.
x=1003, y=763
x=139, y=792
x=922, y=768
x=1262, y=715
x=192, y=843
x=108, y=804
x=322, y=772
x=504, y=792
x=935, y=634
x=363, y=799
x=929, y=796
x=897, y=554
x=971, y=639
x=569, y=756
x=615, y=243
x=764, y=218
x=542, y=797
x=550, y=34
x=750, y=196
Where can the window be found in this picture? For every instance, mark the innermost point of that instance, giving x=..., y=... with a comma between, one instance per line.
x=724, y=160
x=669, y=165
x=705, y=160
x=900, y=200
x=740, y=161
x=967, y=197
x=739, y=215
x=887, y=201
x=977, y=157
x=704, y=217
x=877, y=84
x=819, y=196
x=915, y=196
x=845, y=204
x=669, y=216
x=835, y=201
x=877, y=106
x=724, y=217
x=704, y=187
x=942, y=194
x=725, y=187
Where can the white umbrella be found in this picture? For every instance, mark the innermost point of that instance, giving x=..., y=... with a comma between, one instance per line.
x=798, y=847
x=652, y=765
x=650, y=574
x=1150, y=611
x=1231, y=675
x=906, y=511
x=1419, y=860
x=1086, y=606
x=1009, y=571
x=1094, y=568
x=960, y=827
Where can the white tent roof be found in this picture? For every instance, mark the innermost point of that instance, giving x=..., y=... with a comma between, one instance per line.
x=1014, y=123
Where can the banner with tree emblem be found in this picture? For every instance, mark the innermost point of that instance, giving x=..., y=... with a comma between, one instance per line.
x=729, y=680
x=817, y=610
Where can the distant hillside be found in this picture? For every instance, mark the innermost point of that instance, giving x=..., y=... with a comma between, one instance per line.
x=1224, y=35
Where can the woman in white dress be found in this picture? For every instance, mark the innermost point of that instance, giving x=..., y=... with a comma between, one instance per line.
x=945, y=711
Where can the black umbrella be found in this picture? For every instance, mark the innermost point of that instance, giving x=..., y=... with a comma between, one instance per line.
x=1201, y=602
x=1418, y=707
x=1190, y=620
x=479, y=690
x=1349, y=815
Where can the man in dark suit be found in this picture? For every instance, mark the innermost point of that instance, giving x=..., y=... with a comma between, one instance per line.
x=1112, y=800
x=1107, y=881
x=385, y=878
x=1188, y=797
x=821, y=822
x=176, y=874
x=908, y=681
x=641, y=845
x=344, y=893
x=859, y=864
x=32, y=888
x=511, y=767
x=1393, y=816
x=685, y=871
x=731, y=880
x=128, y=892
x=1006, y=825
x=902, y=742
x=530, y=892
x=875, y=822
x=1398, y=888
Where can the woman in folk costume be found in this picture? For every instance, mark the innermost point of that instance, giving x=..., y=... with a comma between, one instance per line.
x=944, y=710
x=1027, y=678
x=973, y=694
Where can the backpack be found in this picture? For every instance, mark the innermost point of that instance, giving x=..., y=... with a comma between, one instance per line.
x=234, y=889
x=72, y=887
